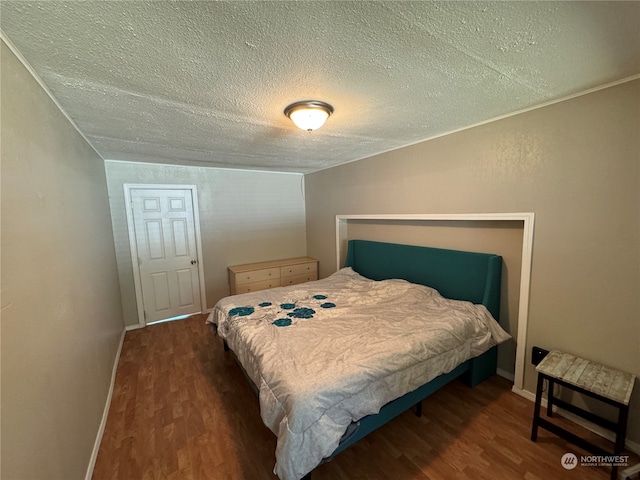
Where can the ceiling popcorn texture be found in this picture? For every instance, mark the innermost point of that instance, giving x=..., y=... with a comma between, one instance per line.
x=206, y=83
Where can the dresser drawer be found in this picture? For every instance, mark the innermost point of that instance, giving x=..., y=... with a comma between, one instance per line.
x=256, y=286
x=305, y=277
x=251, y=277
x=299, y=269
x=258, y=276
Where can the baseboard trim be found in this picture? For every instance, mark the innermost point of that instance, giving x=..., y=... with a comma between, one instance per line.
x=105, y=414
x=630, y=445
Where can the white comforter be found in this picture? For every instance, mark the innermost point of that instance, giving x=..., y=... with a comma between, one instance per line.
x=326, y=353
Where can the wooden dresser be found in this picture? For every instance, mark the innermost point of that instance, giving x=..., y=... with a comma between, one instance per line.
x=252, y=277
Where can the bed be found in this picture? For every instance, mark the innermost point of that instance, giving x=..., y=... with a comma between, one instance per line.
x=333, y=360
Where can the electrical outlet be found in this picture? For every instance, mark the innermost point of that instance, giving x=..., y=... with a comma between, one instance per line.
x=537, y=354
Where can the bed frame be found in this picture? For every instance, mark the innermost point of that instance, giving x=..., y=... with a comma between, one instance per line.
x=475, y=277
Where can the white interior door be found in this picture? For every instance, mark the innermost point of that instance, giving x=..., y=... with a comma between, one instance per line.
x=165, y=237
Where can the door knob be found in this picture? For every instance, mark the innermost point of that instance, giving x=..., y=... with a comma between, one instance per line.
x=193, y=262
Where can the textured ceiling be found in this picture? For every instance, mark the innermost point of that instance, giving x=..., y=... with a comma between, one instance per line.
x=205, y=83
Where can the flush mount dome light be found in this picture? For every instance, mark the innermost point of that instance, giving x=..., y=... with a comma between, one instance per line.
x=308, y=115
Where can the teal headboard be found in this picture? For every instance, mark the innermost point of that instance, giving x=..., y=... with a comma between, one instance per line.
x=475, y=277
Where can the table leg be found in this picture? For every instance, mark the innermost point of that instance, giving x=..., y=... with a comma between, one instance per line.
x=621, y=433
x=536, y=408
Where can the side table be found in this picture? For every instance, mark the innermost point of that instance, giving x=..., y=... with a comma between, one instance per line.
x=592, y=379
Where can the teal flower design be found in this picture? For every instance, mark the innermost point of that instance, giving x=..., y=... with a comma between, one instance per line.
x=320, y=297
x=265, y=304
x=282, y=322
x=241, y=311
x=302, y=312
x=328, y=305
x=287, y=306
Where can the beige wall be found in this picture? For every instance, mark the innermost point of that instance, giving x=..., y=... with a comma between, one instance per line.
x=245, y=216
x=576, y=164
x=61, y=313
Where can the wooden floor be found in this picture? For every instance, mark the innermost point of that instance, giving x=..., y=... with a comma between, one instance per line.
x=182, y=409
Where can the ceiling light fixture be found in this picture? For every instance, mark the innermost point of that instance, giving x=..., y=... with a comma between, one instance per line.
x=308, y=115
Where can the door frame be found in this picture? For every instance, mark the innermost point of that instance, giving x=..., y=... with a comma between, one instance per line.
x=128, y=187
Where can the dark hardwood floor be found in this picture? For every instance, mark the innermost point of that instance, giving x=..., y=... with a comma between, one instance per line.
x=182, y=409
